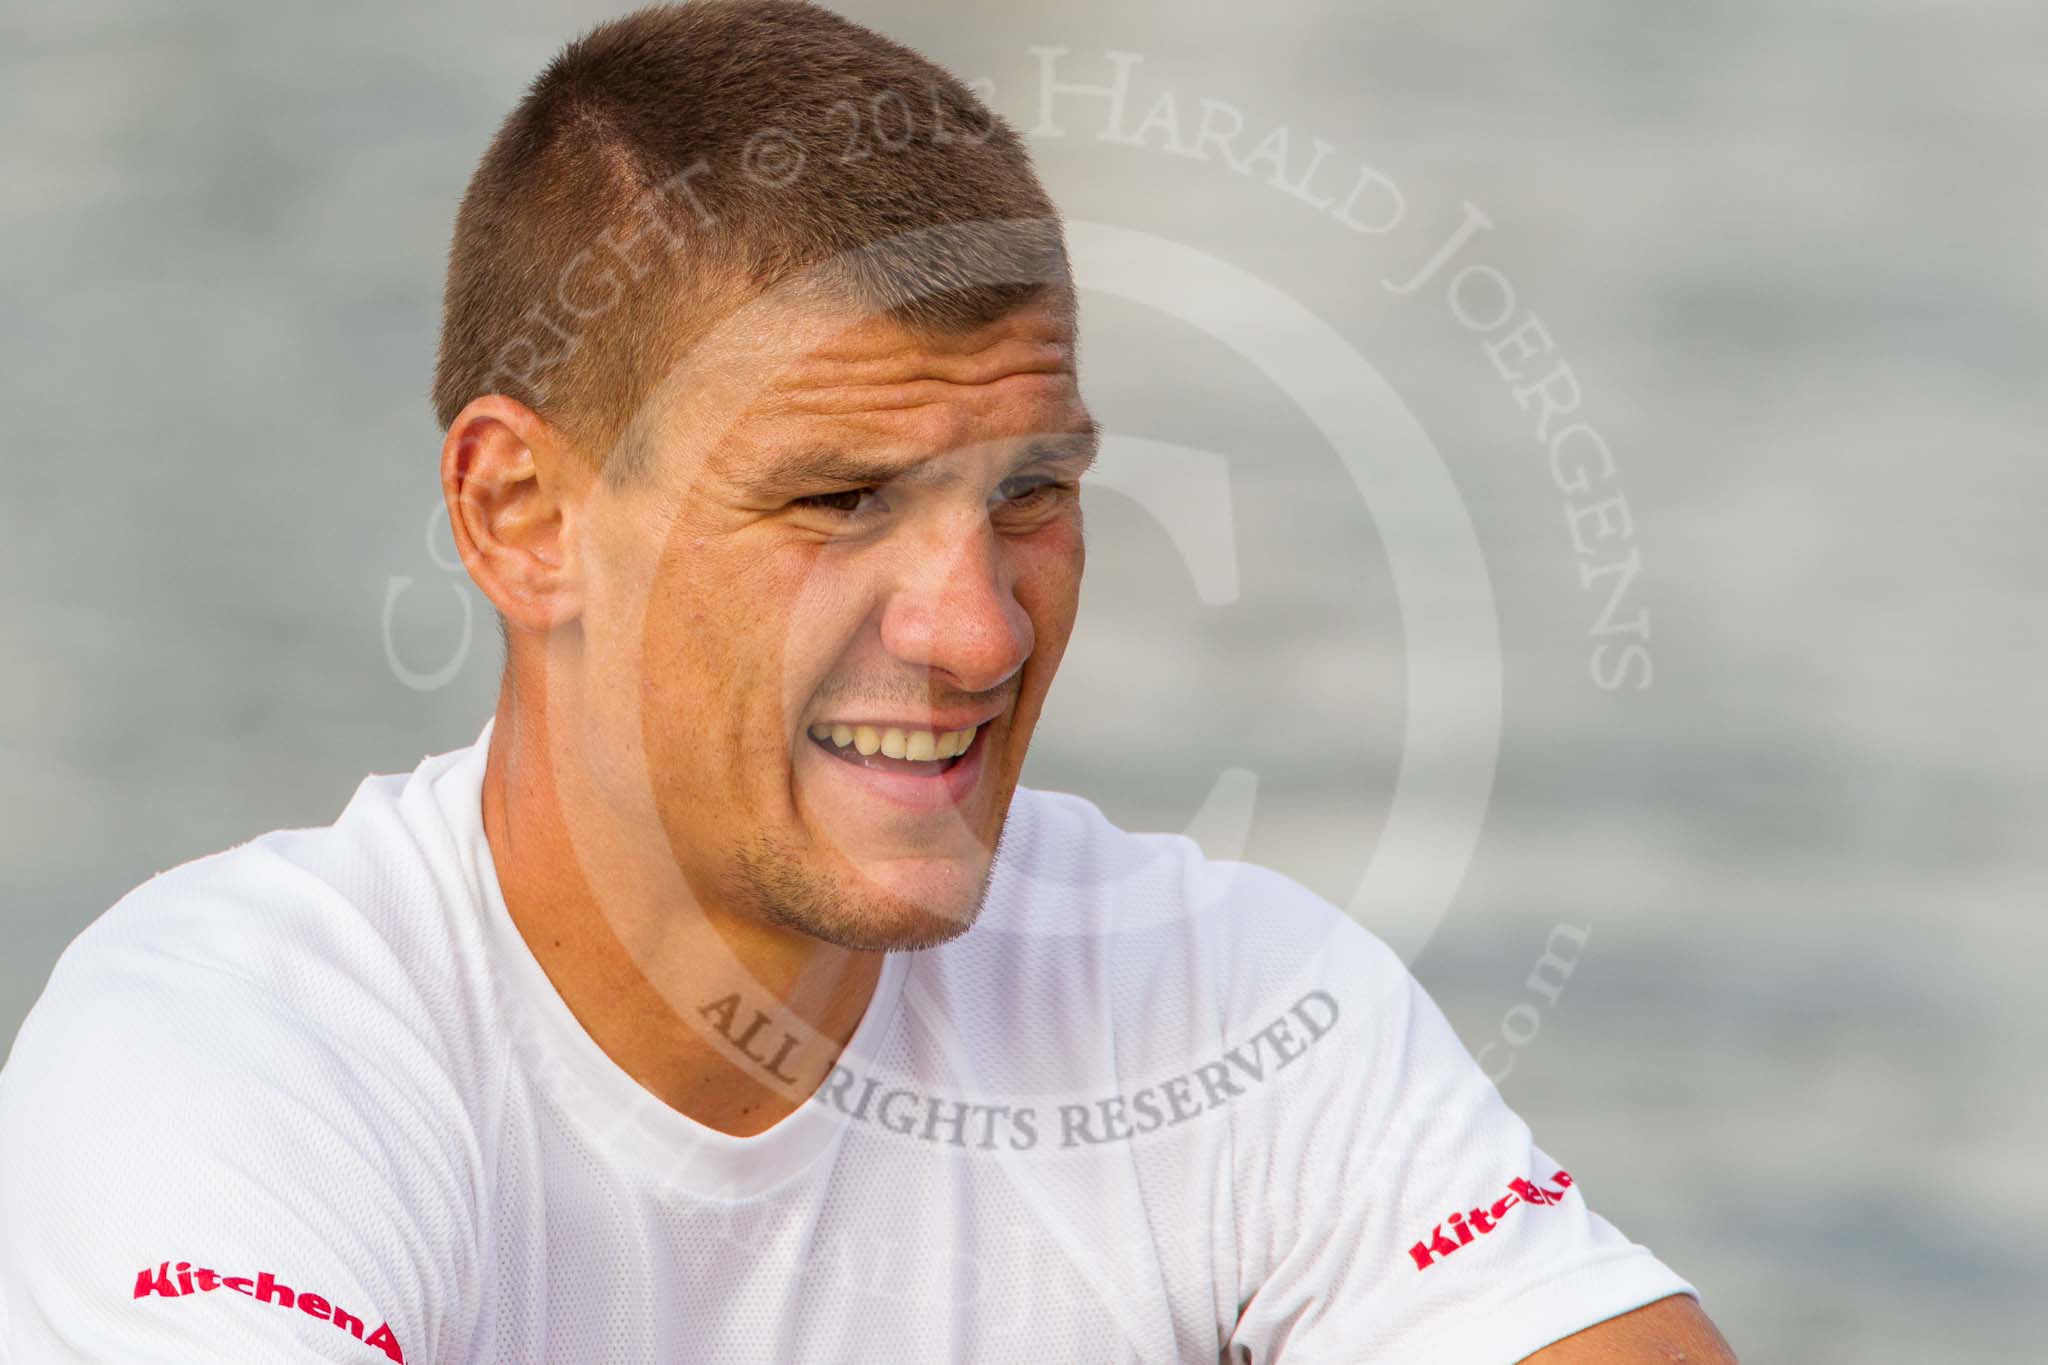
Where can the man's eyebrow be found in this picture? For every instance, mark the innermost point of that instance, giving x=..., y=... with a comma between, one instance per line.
x=1082, y=444
x=1076, y=449
x=829, y=465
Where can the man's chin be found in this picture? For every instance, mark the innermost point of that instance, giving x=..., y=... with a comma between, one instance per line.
x=909, y=904
x=896, y=929
x=894, y=905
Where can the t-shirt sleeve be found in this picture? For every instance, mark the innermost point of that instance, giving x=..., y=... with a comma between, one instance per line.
x=198, y=1164
x=1392, y=1207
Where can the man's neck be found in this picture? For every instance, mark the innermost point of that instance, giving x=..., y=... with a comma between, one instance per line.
x=732, y=1021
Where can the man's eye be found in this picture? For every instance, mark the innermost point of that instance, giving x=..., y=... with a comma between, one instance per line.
x=845, y=500
x=1026, y=487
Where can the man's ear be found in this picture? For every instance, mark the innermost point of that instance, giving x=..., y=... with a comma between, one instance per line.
x=513, y=488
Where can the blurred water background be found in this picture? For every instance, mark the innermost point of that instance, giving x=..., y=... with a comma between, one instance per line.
x=1792, y=253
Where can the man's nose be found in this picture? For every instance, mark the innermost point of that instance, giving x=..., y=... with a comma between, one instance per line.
x=954, y=608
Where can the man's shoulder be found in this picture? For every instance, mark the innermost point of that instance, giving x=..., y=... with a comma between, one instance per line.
x=361, y=890
x=331, y=950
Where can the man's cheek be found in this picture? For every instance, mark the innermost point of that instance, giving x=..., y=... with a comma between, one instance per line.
x=816, y=629
x=1057, y=547
x=1048, y=581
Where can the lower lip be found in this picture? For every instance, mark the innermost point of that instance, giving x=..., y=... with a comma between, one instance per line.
x=940, y=790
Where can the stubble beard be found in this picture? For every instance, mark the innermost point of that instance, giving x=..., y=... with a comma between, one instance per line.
x=775, y=884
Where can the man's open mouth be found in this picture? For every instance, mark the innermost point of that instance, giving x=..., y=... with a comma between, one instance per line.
x=917, y=753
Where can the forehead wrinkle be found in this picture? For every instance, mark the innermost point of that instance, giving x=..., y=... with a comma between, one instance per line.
x=913, y=364
x=907, y=395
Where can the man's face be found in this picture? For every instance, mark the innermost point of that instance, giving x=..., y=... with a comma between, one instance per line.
x=830, y=610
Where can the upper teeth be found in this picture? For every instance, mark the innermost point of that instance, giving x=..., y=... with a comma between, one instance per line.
x=894, y=743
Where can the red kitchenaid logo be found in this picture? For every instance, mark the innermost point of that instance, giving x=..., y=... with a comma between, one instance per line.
x=1460, y=1228
x=176, y=1282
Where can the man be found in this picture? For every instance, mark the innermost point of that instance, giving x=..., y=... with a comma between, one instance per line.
x=728, y=999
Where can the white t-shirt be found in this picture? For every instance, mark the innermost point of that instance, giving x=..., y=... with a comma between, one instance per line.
x=313, y=1099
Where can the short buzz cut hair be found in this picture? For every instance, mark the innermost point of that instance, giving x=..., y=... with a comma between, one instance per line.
x=673, y=164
